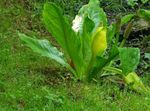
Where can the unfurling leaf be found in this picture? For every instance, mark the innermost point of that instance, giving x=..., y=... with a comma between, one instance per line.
x=99, y=43
x=94, y=13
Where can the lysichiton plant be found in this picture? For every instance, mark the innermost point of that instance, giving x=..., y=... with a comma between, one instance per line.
x=89, y=44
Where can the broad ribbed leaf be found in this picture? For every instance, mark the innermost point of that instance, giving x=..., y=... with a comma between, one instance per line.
x=63, y=33
x=93, y=12
x=44, y=48
x=129, y=59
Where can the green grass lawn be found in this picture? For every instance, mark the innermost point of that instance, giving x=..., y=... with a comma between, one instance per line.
x=32, y=83
x=29, y=82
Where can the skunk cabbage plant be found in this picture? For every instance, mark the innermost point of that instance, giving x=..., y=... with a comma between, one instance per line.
x=87, y=44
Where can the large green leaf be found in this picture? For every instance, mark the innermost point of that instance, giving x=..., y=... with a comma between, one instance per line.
x=93, y=12
x=44, y=48
x=59, y=27
x=129, y=59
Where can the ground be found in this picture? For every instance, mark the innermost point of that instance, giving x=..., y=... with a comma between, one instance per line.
x=29, y=82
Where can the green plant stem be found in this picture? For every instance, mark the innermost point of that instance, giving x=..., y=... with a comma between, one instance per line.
x=123, y=42
x=72, y=70
x=117, y=38
x=89, y=68
x=113, y=69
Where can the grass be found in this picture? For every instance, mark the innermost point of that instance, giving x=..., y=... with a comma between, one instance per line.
x=29, y=82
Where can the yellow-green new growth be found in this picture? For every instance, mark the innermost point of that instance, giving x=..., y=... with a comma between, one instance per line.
x=99, y=43
x=137, y=84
